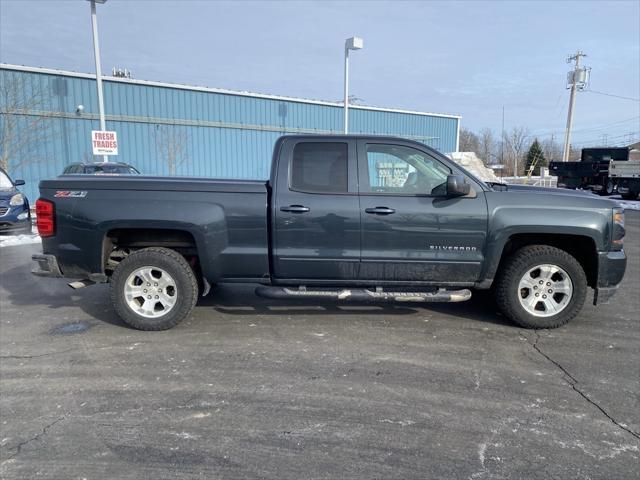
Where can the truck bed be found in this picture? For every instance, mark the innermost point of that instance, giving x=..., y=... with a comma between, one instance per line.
x=625, y=169
x=577, y=169
x=225, y=219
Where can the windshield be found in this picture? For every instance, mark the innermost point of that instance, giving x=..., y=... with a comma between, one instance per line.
x=110, y=169
x=5, y=182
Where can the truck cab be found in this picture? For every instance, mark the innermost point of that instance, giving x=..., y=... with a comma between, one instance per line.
x=372, y=210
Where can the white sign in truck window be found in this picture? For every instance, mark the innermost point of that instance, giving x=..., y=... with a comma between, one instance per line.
x=104, y=142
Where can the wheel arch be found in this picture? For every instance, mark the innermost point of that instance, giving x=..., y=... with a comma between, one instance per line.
x=119, y=242
x=581, y=247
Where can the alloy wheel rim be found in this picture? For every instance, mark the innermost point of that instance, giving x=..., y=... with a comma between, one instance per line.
x=150, y=292
x=545, y=290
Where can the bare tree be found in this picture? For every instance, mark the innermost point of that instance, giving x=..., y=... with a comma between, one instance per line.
x=516, y=144
x=551, y=149
x=574, y=153
x=487, y=145
x=469, y=141
x=172, y=146
x=23, y=127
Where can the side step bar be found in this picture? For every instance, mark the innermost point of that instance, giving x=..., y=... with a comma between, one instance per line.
x=364, y=294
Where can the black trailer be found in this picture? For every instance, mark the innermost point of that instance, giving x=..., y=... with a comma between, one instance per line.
x=592, y=171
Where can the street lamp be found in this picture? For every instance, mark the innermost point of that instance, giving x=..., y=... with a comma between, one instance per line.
x=353, y=43
x=96, y=53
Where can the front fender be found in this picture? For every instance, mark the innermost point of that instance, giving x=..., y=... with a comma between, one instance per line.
x=507, y=221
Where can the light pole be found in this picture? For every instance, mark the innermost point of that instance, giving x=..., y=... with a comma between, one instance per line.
x=353, y=43
x=96, y=53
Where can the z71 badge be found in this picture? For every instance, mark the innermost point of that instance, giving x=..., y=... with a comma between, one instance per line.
x=70, y=194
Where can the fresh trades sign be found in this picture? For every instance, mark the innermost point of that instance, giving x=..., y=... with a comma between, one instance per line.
x=104, y=142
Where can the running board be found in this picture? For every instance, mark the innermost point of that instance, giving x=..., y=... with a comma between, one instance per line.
x=363, y=294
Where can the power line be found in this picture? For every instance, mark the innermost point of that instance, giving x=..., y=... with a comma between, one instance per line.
x=595, y=128
x=615, y=96
x=620, y=141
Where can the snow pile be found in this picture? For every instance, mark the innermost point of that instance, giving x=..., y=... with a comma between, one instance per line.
x=22, y=239
x=470, y=161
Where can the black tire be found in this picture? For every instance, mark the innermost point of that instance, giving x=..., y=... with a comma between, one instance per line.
x=607, y=189
x=186, y=287
x=507, y=285
x=629, y=196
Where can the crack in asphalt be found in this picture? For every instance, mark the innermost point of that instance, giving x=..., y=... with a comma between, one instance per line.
x=22, y=357
x=573, y=382
x=44, y=431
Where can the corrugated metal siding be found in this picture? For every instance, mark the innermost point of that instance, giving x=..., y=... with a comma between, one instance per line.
x=226, y=135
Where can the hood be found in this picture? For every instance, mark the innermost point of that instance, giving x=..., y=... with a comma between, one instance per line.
x=7, y=193
x=548, y=190
x=546, y=197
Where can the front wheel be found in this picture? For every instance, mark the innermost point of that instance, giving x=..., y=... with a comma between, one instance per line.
x=153, y=289
x=541, y=287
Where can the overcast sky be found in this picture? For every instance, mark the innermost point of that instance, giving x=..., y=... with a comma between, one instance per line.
x=467, y=58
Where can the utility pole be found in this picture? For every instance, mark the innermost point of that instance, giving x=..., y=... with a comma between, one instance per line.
x=96, y=52
x=577, y=79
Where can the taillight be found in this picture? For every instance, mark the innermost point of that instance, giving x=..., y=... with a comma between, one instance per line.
x=46, y=220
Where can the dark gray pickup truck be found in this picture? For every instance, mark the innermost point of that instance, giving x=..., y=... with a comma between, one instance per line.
x=360, y=218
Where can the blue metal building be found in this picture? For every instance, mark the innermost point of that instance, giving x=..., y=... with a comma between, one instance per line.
x=174, y=129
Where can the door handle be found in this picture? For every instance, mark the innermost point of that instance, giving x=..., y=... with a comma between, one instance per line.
x=380, y=210
x=295, y=209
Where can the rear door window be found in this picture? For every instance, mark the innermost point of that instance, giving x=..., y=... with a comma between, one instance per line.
x=320, y=167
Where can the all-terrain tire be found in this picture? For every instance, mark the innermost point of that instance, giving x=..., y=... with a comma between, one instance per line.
x=518, y=264
x=171, y=262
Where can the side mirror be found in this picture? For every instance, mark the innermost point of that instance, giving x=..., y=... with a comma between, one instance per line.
x=17, y=183
x=457, y=186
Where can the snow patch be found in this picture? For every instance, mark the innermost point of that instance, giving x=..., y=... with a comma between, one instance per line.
x=482, y=448
x=22, y=239
x=628, y=204
x=403, y=423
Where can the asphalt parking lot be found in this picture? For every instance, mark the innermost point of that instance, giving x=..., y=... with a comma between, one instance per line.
x=252, y=388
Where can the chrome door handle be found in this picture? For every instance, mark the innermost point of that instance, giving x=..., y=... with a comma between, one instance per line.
x=295, y=209
x=380, y=210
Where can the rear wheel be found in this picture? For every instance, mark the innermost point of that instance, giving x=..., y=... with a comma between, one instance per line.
x=541, y=287
x=153, y=289
x=630, y=195
x=607, y=188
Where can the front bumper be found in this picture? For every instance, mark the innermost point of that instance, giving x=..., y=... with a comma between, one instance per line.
x=46, y=266
x=11, y=223
x=14, y=218
x=611, y=268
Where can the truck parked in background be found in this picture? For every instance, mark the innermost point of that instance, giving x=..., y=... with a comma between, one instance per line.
x=626, y=175
x=592, y=171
